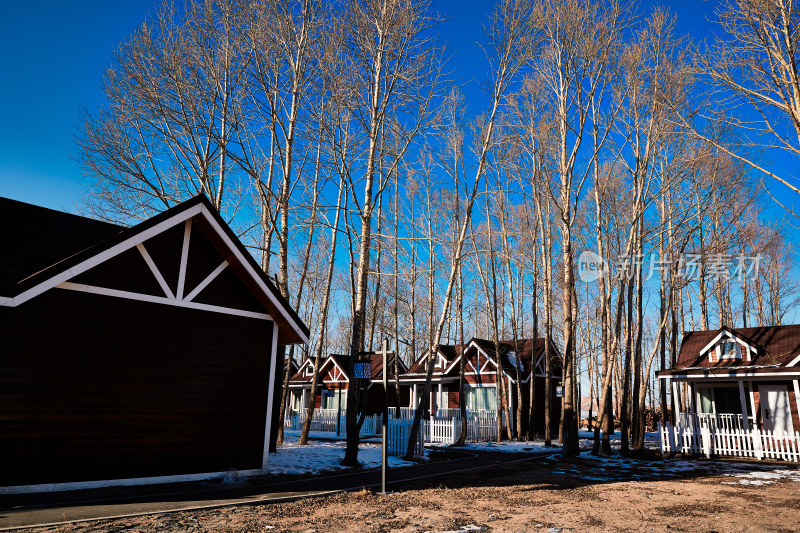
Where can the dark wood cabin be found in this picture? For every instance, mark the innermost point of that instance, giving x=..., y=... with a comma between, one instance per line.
x=134, y=355
x=334, y=383
x=480, y=377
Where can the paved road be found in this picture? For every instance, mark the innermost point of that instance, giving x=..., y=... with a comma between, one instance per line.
x=49, y=509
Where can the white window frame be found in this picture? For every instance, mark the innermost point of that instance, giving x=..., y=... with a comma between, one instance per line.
x=735, y=354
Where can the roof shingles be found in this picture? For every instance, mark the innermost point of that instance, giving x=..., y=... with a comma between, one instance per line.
x=775, y=345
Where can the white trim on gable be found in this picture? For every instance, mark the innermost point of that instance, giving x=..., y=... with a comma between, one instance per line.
x=203, y=284
x=160, y=300
x=308, y=362
x=105, y=255
x=142, y=236
x=253, y=274
x=187, y=235
x=403, y=367
x=156, y=272
x=338, y=375
x=453, y=364
x=794, y=361
x=712, y=343
x=486, y=363
x=713, y=348
x=539, y=364
x=270, y=396
x=5, y=301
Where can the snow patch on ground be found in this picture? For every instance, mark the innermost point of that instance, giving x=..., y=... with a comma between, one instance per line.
x=324, y=456
x=466, y=529
x=505, y=446
x=316, y=457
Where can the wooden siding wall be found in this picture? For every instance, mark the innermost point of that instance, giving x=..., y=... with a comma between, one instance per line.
x=94, y=387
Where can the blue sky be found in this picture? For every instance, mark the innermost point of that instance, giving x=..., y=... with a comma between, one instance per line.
x=56, y=52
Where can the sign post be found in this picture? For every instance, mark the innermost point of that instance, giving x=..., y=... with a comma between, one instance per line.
x=385, y=417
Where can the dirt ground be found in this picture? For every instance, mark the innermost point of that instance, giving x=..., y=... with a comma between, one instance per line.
x=535, y=496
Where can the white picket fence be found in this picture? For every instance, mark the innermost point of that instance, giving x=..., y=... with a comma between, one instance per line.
x=759, y=444
x=442, y=430
x=325, y=420
x=398, y=430
x=481, y=424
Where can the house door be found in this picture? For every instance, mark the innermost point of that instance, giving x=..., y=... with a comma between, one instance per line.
x=776, y=411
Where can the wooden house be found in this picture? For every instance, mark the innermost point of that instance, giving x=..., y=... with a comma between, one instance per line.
x=480, y=376
x=739, y=378
x=335, y=381
x=134, y=355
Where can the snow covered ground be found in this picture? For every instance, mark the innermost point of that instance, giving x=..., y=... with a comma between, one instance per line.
x=617, y=468
x=324, y=456
x=319, y=457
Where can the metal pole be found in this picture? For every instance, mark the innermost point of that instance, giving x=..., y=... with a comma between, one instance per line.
x=385, y=421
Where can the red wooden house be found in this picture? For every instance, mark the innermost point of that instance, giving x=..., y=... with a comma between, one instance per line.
x=335, y=381
x=739, y=377
x=134, y=355
x=480, y=375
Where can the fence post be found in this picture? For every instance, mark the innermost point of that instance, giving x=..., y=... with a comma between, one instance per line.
x=705, y=436
x=755, y=436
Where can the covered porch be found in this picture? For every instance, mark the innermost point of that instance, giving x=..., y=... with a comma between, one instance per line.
x=733, y=414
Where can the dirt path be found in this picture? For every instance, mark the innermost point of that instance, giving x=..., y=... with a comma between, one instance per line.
x=520, y=497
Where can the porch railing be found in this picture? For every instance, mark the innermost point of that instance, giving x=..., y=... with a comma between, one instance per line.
x=715, y=421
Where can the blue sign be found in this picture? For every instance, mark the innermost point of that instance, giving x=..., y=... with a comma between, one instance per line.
x=362, y=371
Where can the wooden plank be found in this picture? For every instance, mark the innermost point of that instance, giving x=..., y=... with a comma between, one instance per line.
x=121, y=388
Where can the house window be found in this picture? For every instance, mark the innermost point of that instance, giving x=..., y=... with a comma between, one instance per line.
x=310, y=370
x=729, y=350
x=482, y=398
x=296, y=399
x=719, y=400
x=706, y=399
x=333, y=401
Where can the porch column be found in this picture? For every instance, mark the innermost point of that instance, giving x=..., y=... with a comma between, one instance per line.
x=303, y=401
x=414, y=396
x=692, y=396
x=796, y=396
x=676, y=399
x=439, y=396
x=743, y=401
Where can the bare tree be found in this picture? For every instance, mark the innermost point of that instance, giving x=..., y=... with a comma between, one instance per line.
x=390, y=42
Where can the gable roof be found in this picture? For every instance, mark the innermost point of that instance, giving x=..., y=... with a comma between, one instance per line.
x=450, y=352
x=343, y=362
x=110, y=240
x=528, y=348
x=776, y=346
x=33, y=238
